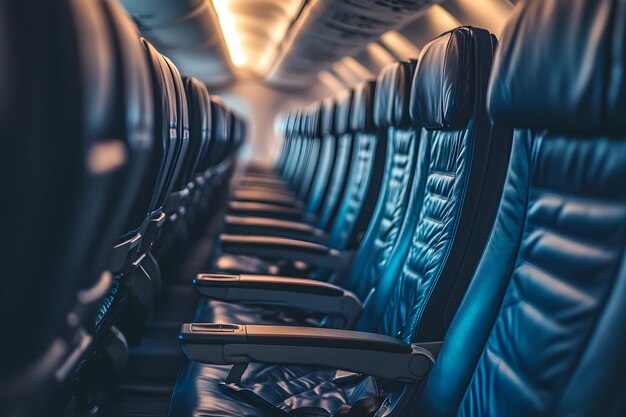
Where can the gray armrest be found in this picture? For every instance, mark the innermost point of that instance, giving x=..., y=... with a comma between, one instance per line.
x=283, y=248
x=240, y=225
x=366, y=353
x=304, y=294
x=266, y=197
x=247, y=208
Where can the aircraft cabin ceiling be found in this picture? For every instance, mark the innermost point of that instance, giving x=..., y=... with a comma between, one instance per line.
x=295, y=44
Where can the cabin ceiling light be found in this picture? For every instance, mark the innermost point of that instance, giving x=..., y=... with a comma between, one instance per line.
x=357, y=68
x=400, y=45
x=330, y=81
x=254, y=30
x=229, y=30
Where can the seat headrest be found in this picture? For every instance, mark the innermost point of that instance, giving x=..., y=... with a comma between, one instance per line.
x=287, y=125
x=295, y=123
x=392, y=98
x=317, y=120
x=343, y=111
x=362, y=117
x=302, y=122
x=219, y=119
x=328, y=116
x=561, y=67
x=443, y=88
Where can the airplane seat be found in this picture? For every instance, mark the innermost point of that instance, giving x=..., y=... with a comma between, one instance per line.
x=200, y=125
x=177, y=199
x=131, y=297
x=540, y=331
x=327, y=157
x=176, y=238
x=456, y=150
x=72, y=170
x=343, y=161
x=209, y=176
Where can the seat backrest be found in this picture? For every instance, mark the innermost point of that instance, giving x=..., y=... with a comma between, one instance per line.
x=291, y=167
x=199, y=124
x=461, y=169
x=203, y=98
x=343, y=159
x=284, y=150
x=76, y=145
x=541, y=329
x=312, y=161
x=165, y=97
x=364, y=179
x=218, y=130
x=136, y=104
x=327, y=156
x=397, y=182
x=304, y=157
x=183, y=156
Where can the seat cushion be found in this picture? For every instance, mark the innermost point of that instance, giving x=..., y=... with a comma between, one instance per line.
x=199, y=391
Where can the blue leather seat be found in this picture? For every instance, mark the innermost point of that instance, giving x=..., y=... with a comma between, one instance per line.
x=540, y=331
x=75, y=118
x=461, y=165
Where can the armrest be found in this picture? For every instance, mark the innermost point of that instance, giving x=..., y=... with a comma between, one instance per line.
x=266, y=197
x=284, y=248
x=366, y=353
x=241, y=225
x=304, y=294
x=248, y=208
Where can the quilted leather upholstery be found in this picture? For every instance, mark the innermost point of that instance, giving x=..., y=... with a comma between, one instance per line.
x=393, y=202
x=312, y=153
x=540, y=332
x=361, y=191
x=319, y=187
x=438, y=258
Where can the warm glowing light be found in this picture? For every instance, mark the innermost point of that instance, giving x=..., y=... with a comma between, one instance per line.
x=255, y=30
x=399, y=45
x=229, y=30
x=379, y=54
x=345, y=74
x=442, y=19
x=331, y=81
x=356, y=67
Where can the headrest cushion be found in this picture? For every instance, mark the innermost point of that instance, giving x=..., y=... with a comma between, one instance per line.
x=443, y=87
x=328, y=116
x=362, y=117
x=343, y=112
x=561, y=67
x=391, y=103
